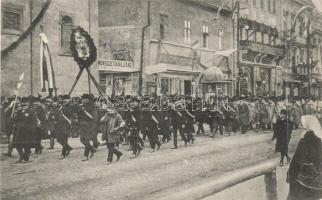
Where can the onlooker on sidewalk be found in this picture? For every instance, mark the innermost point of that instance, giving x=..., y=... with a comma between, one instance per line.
x=305, y=171
x=283, y=135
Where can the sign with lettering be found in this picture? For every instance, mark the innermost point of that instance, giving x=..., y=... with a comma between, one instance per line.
x=115, y=65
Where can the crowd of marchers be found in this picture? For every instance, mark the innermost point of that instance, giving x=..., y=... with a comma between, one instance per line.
x=132, y=120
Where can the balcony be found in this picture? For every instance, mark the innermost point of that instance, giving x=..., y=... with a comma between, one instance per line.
x=260, y=47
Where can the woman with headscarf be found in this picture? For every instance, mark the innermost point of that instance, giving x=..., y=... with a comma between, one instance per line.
x=305, y=171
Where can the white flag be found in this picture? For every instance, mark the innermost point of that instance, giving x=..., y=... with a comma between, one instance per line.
x=19, y=84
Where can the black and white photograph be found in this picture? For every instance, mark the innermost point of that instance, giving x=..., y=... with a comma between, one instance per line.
x=161, y=100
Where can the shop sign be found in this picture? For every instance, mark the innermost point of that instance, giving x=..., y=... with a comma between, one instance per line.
x=114, y=65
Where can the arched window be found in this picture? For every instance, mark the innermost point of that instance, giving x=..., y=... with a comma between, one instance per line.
x=66, y=26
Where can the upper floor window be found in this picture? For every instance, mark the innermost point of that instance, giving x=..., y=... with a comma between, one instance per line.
x=302, y=52
x=187, y=32
x=220, y=39
x=66, y=26
x=205, y=35
x=301, y=26
x=163, y=25
x=274, y=6
x=262, y=4
x=12, y=19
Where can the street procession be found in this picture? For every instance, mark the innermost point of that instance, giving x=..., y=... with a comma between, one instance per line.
x=161, y=99
x=28, y=120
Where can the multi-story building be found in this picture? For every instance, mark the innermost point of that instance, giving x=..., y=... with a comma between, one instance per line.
x=179, y=39
x=260, y=48
x=57, y=21
x=300, y=77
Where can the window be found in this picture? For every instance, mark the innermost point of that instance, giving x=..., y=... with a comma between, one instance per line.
x=163, y=25
x=220, y=39
x=164, y=86
x=274, y=6
x=187, y=32
x=66, y=26
x=205, y=35
x=269, y=5
x=301, y=24
x=254, y=3
x=12, y=19
x=302, y=55
x=262, y=4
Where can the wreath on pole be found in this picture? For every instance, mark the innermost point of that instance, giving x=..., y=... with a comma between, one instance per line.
x=82, y=47
x=84, y=53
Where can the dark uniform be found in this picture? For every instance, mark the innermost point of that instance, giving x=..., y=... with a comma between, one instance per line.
x=41, y=116
x=59, y=127
x=24, y=135
x=215, y=120
x=178, y=124
x=132, y=123
x=87, y=122
x=153, y=128
x=164, y=124
x=200, y=118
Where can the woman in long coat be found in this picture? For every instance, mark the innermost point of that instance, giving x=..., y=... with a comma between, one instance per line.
x=305, y=171
x=283, y=135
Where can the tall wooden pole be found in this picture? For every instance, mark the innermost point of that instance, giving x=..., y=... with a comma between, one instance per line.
x=308, y=42
x=31, y=48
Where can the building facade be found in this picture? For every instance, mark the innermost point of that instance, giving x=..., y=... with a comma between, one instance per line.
x=179, y=39
x=260, y=49
x=57, y=21
x=303, y=79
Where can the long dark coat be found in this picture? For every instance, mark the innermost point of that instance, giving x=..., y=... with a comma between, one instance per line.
x=309, y=151
x=282, y=135
x=25, y=129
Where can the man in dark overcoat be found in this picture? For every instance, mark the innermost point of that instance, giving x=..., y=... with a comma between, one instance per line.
x=283, y=135
x=26, y=123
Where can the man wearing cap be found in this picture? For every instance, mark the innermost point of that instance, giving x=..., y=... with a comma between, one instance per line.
x=112, y=125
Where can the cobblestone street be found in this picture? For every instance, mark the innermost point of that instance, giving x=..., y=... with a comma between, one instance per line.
x=146, y=177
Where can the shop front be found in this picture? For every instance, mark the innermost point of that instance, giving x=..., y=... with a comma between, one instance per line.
x=171, y=79
x=118, y=77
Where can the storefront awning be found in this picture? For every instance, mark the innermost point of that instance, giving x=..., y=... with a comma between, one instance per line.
x=213, y=75
x=168, y=68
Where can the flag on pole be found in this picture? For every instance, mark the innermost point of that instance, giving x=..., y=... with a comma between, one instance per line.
x=46, y=66
x=19, y=83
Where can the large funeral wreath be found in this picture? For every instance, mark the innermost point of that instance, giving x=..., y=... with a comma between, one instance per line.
x=82, y=47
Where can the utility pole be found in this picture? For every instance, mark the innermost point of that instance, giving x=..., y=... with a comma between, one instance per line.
x=142, y=48
x=238, y=46
x=308, y=42
x=31, y=48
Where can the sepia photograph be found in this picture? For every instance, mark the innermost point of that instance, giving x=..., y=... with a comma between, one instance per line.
x=161, y=100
